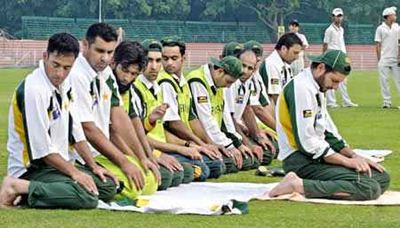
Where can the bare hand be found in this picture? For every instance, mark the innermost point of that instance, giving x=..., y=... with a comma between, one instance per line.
x=210, y=153
x=170, y=163
x=134, y=175
x=103, y=174
x=192, y=153
x=158, y=113
x=266, y=144
x=85, y=181
x=258, y=152
x=153, y=167
x=246, y=151
x=237, y=157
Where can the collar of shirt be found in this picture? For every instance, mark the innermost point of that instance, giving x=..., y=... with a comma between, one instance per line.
x=84, y=66
x=387, y=26
x=310, y=77
x=209, y=78
x=149, y=84
x=182, y=81
x=336, y=27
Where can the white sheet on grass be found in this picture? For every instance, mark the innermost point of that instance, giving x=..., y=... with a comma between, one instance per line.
x=209, y=198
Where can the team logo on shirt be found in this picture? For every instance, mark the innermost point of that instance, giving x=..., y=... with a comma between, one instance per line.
x=239, y=99
x=202, y=99
x=307, y=113
x=274, y=81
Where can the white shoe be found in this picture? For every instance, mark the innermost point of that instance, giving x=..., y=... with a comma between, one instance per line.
x=386, y=105
x=332, y=106
x=350, y=105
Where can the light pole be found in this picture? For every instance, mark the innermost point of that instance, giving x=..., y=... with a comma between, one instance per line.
x=99, y=10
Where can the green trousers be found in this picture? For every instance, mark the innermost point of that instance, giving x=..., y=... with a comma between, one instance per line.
x=322, y=180
x=169, y=179
x=231, y=167
x=268, y=156
x=49, y=188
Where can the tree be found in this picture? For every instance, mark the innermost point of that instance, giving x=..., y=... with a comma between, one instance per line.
x=271, y=13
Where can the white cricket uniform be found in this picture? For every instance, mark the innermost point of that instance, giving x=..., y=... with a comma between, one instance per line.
x=334, y=37
x=298, y=65
x=303, y=122
x=240, y=95
x=258, y=92
x=275, y=73
x=40, y=122
x=388, y=37
x=204, y=113
x=96, y=94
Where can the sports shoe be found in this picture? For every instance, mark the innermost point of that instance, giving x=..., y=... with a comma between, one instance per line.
x=386, y=105
x=350, y=105
x=332, y=105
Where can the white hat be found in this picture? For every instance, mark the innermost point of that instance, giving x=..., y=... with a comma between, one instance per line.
x=389, y=11
x=337, y=11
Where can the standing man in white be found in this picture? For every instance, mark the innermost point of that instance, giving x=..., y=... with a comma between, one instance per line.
x=334, y=40
x=387, y=50
x=298, y=65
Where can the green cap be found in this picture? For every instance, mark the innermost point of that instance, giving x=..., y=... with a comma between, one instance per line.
x=152, y=45
x=231, y=65
x=231, y=49
x=172, y=40
x=336, y=59
x=255, y=46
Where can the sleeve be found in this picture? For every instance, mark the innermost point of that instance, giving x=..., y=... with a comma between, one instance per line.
x=332, y=135
x=274, y=86
x=229, y=127
x=300, y=103
x=116, y=99
x=83, y=99
x=203, y=109
x=258, y=95
x=378, y=35
x=169, y=97
x=229, y=99
x=327, y=36
x=37, y=124
x=77, y=133
x=305, y=41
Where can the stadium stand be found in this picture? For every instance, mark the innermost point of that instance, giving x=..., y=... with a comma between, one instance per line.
x=40, y=28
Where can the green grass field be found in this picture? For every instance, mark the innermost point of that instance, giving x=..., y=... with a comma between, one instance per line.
x=368, y=126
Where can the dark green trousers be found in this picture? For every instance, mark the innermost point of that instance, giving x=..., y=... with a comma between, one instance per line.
x=49, y=188
x=322, y=180
x=169, y=179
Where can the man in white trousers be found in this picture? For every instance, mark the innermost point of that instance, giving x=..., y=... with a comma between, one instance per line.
x=334, y=40
x=387, y=40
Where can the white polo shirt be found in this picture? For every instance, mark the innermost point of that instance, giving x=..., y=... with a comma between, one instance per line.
x=204, y=113
x=258, y=92
x=170, y=97
x=334, y=37
x=39, y=122
x=275, y=73
x=305, y=43
x=96, y=94
x=302, y=120
x=240, y=95
x=388, y=37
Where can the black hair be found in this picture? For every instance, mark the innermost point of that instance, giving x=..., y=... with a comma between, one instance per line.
x=130, y=52
x=328, y=68
x=181, y=45
x=102, y=30
x=63, y=43
x=288, y=40
x=385, y=17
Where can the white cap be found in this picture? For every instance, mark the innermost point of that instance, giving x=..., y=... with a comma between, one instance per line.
x=389, y=11
x=337, y=11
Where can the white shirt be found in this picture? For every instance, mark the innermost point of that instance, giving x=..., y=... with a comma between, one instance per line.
x=278, y=73
x=204, y=112
x=40, y=127
x=305, y=43
x=304, y=102
x=240, y=95
x=170, y=97
x=388, y=37
x=334, y=37
x=96, y=94
x=258, y=92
